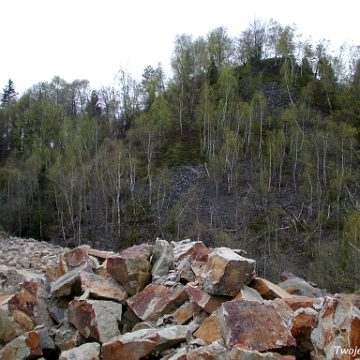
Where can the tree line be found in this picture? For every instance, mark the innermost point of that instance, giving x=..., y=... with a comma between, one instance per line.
x=251, y=142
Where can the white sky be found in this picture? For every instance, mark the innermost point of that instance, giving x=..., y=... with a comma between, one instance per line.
x=86, y=39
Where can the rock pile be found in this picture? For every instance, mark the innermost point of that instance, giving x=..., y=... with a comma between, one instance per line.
x=170, y=301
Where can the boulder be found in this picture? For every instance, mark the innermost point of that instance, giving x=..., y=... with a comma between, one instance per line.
x=89, y=351
x=141, y=343
x=77, y=256
x=297, y=302
x=28, y=306
x=298, y=286
x=130, y=346
x=338, y=329
x=206, y=301
x=102, y=288
x=26, y=346
x=131, y=268
x=253, y=325
x=209, y=331
x=217, y=351
x=162, y=259
x=67, y=337
x=96, y=320
x=225, y=272
x=156, y=300
x=268, y=290
x=303, y=322
x=69, y=283
x=186, y=312
x=248, y=293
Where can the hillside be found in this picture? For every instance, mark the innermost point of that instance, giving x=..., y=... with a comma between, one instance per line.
x=251, y=143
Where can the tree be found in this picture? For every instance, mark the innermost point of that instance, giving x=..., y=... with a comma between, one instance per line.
x=9, y=94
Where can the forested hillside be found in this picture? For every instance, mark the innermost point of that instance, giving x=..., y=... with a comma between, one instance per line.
x=252, y=143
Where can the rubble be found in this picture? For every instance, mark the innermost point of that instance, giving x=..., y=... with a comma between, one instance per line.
x=170, y=301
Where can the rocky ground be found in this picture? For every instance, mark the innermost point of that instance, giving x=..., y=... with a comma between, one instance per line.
x=169, y=301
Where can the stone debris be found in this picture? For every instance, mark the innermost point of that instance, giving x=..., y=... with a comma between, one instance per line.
x=170, y=301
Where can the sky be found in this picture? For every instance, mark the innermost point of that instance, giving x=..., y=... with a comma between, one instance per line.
x=78, y=39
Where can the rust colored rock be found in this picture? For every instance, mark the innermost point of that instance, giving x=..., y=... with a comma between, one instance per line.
x=268, y=290
x=131, y=346
x=303, y=323
x=26, y=346
x=206, y=301
x=96, y=320
x=131, y=268
x=156, y=300
x=338, y=328
x=102, y=288
x=28, y=306
x=252, y=325
x=209, y=330
x=101, y=255
x=186, y=312
x=225, y=272
x=297, y=302
x=77, y=256
x=193, y=250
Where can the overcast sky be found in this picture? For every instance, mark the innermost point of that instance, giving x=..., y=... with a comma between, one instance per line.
x=86, y=39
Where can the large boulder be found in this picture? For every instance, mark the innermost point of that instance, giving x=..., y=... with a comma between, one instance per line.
x=100, y=287
x=131, y=267
x=225, y=272
x=338, y=329
x=156, y=300
x=254, y=325
x=96, y=320
x=162, y=259
x=206, y=301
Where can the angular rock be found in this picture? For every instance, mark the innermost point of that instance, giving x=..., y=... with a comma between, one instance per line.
x=297, y=302
x=186, y=312
x=225, y=272
x=9, y=329
x=58, y=309
x=209, y=331
x=69, y=283
x=248, y=293
x=96, y=320
x=77, y=256
x=217, y=351
x=26, y=346
x=89, y=351
x=304, y=321
x=143, y=342
x=191, y=250
x=252, y=325
x=102, y=288
x=28, y=306
x=163, y=258
x=131, y=268
x=67, y=337
x=207, y=302
x=130, y=346
x=268, y=290
x=156, y=300
x=298, y=286
x=101, y=255
x=338, y=328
